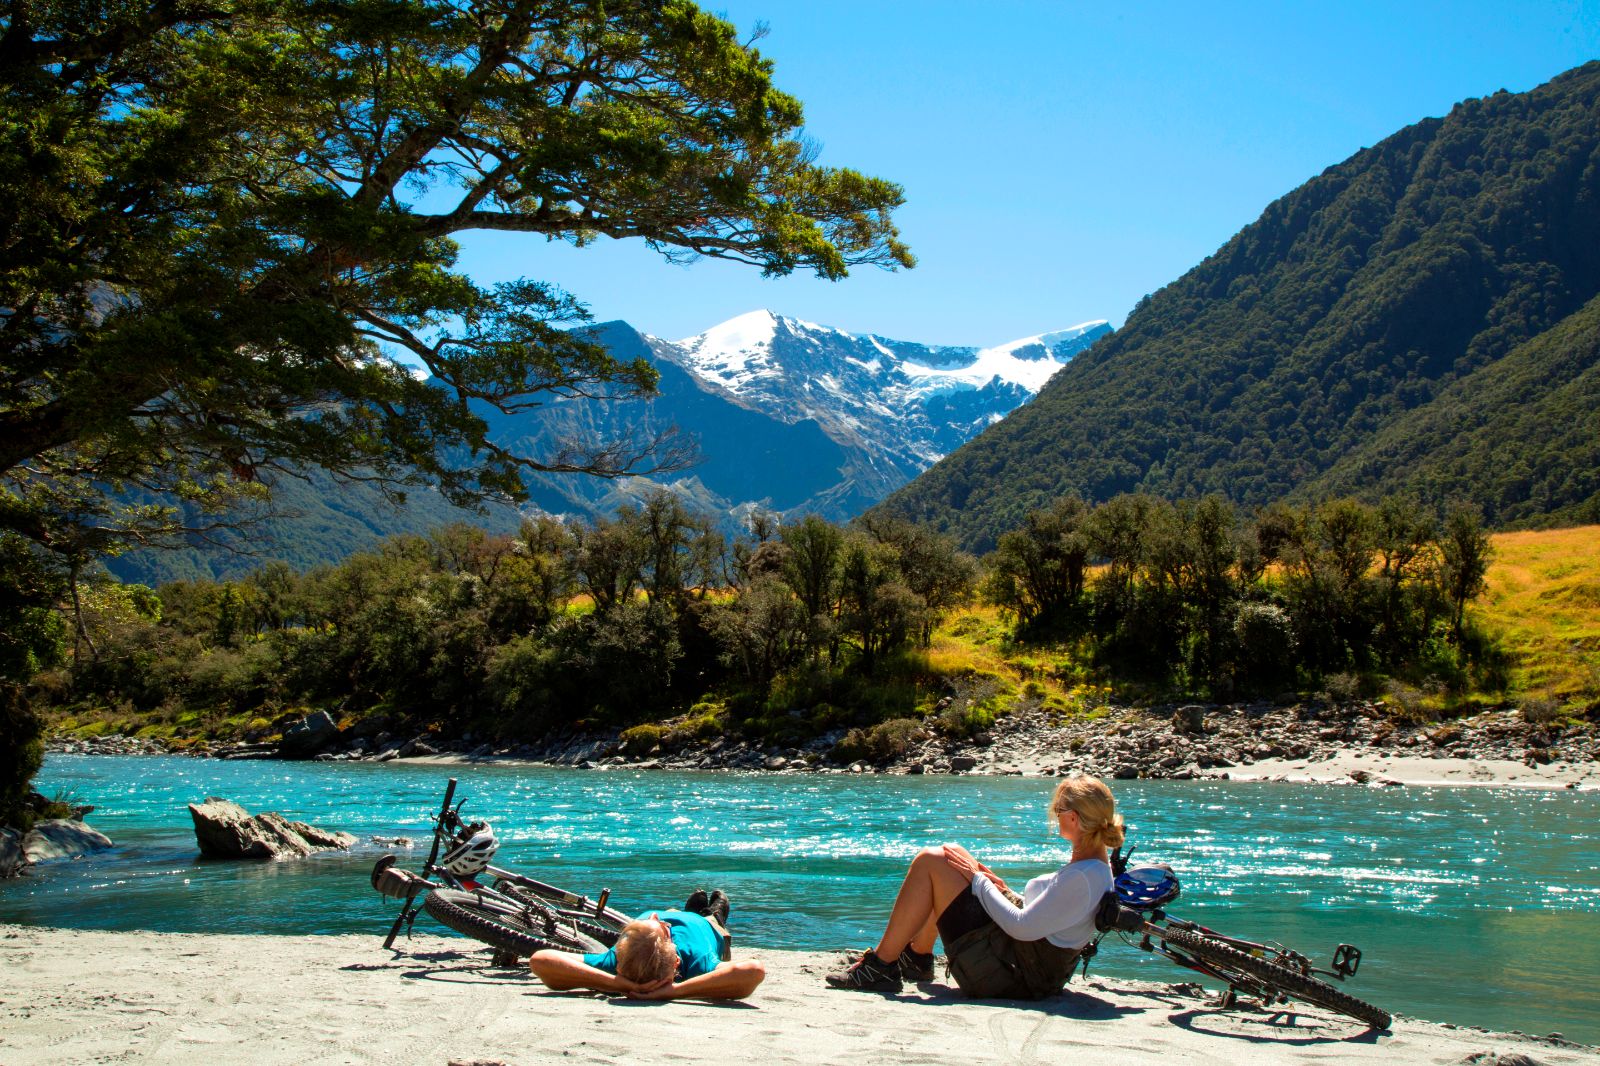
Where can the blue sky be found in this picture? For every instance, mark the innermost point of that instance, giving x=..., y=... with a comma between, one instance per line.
x=1061, y=160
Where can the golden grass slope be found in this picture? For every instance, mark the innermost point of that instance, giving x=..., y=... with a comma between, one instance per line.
x=1543, y=602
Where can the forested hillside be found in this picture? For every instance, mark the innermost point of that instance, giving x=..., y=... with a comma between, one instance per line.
x=1521, y=436
x=1345, y=341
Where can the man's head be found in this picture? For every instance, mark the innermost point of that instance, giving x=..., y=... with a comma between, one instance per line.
x=645, y=952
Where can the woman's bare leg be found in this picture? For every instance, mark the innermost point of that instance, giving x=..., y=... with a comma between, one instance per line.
x=927, y=890
x=923, y=942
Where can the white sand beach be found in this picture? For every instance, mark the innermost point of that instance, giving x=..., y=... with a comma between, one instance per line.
x=1389, y=768
x=78, y=996
x=1351, y=766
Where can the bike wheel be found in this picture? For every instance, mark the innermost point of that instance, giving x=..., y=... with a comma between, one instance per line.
x=600, y=929
x=503, y=924
x=1277, y=977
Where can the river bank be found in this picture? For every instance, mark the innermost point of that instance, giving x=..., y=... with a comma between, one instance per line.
x=1359, y=743
x=75, y=996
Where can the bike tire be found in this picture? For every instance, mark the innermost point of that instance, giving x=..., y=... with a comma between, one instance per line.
x=1290, y=982
x=472, y=915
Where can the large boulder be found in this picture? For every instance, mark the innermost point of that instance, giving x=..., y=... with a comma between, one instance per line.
x=226, y=830
x=59, y=838
x=12, y=858
x=308, y=736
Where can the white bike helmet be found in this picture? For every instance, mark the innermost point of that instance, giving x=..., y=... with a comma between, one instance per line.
x=473, y=848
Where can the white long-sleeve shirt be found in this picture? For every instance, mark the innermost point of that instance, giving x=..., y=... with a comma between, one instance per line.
x=1057, y=907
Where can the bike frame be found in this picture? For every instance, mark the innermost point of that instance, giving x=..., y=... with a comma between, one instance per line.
x=1150, y=927
x=1273, y=952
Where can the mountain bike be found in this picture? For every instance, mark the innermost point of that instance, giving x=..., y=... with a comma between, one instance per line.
x=1271, y=973
x=515, y=914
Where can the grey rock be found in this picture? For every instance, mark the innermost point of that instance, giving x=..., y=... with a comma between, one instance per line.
x=960, y=764
x=414, y=748
x=777, y=762
x=225, y=830
x=13, y=860
x=309, y=735
x=58, y=838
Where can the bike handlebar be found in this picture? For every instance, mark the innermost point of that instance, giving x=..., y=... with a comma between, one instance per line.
x=444, y=813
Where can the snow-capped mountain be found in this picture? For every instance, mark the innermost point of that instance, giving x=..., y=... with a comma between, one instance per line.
x=897, y=407
x=788, y=416
x=760, y=346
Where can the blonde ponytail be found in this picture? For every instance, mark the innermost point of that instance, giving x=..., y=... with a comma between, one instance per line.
x=1096, y=809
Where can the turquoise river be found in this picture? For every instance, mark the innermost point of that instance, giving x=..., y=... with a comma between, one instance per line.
x=1473, y=905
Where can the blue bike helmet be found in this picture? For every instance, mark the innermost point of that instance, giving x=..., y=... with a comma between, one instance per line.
x=1147, y=887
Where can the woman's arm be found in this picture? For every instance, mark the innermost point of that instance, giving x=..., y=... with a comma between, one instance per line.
x=1059, y=906
x=962, y=861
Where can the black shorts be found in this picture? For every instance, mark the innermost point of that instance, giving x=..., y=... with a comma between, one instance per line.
x=962, y=916
x=987, y=963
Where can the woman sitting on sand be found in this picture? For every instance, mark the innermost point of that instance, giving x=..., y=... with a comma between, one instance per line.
x=1000, y=945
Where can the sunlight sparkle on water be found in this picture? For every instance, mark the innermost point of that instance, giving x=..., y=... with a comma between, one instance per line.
x=1428, y=882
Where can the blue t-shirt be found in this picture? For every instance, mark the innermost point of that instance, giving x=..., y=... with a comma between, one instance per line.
x=698, y=942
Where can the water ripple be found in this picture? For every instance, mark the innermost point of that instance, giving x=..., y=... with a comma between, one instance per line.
x=1434, y=884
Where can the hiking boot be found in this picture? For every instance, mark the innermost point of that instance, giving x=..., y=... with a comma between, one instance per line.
x=718, y=907
x=868, y=974
x=916, y=965
x=698, y=902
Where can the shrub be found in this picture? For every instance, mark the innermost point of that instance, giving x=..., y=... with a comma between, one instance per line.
x=1342, y=687
x=704, y=721
x=826, y=716
x=1541, y=712
x=1409, y=703
x=884, y=741
x=965, y=719
x=1265, y=646
x=642, y=739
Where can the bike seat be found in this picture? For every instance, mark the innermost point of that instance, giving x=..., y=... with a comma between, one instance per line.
x=1147, y=887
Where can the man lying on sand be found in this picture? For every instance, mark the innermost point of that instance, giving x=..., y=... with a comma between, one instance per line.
x=670, y=954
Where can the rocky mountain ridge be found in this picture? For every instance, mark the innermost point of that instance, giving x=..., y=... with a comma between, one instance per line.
x=788, y=416
x=911, y=403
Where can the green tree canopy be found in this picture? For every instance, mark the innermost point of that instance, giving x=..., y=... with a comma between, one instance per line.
x=230, y=216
